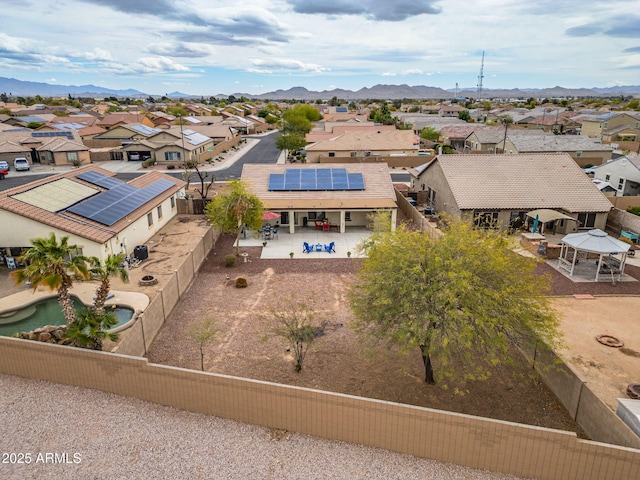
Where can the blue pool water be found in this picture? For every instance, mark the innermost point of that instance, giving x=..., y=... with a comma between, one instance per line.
x=48, y=312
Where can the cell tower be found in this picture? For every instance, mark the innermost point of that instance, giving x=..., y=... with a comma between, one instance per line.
x=480, y=77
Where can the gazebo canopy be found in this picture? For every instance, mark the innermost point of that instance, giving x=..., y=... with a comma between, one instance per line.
x=595, y=241
x=547, y=215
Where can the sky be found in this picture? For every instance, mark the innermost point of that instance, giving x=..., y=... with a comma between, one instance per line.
x=211, y=47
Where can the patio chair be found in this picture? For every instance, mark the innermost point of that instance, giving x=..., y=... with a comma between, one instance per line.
x=274, y=231
x=331, y=248
x=306, y=248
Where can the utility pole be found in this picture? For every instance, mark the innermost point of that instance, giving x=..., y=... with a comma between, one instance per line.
x=480, y=78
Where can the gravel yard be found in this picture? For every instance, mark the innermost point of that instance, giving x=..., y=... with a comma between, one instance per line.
x=113, y=437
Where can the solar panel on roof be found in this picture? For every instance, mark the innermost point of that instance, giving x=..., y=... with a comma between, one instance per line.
x=276, y=182
x=101, y=180
x=356, y=182
x=310, y=179
x=115, y=204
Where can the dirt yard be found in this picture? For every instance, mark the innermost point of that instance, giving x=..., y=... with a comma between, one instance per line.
x=336, y=361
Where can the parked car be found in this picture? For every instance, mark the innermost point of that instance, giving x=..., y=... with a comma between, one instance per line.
x=21, y=164
x=4, y=165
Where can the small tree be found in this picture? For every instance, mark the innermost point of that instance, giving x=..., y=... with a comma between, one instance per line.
x=294, y=326
x=231, y=212
x=90, y=329
x=202, y=333
x=202, y=175
x=462, y=297
x=430, y=133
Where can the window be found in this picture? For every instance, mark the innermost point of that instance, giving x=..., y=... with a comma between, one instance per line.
x=116, y=155
x=170, y=156
x=173, y=202
x=150, y=218
x=332, y=154
x=347, y=216
x=586, y=220
x=72, y=156
x=578, y=154
x=159, y=212
x=352, y=154
x=484, y=219
x=620, y=183
x=607, y=178
x=606, y=125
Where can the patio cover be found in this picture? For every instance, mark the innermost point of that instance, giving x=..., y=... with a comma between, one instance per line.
x=546, y=215
x=593, y=241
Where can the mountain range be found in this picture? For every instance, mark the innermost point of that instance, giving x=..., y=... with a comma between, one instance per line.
x=19, y=88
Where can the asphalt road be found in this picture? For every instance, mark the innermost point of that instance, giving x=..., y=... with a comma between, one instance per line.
x=264, y=151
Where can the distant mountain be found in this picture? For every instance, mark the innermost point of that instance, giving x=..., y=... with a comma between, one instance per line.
x=421, y=92
x=386, y=92
x=19, y=88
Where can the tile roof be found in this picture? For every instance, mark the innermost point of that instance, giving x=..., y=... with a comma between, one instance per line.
x=370, y=140
x=556, y=143
x=520, y=182
x=378, y=193
x=76, y=224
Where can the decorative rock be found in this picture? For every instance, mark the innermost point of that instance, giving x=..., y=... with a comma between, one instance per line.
x=44, y=337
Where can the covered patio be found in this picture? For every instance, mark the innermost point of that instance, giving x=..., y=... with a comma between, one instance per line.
x=584, y=247
x=538, y=218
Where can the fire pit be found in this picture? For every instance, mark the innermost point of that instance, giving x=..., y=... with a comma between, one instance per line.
x=147, y=281
x=633, y=390
x=610, y=341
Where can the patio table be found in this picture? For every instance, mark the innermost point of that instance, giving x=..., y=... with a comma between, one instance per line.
x=318, y=247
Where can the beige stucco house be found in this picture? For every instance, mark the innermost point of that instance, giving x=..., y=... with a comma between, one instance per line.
x=99, y=213
x=596, y=126
x=499, y=189
x=364, y=143
x=584, y=151
x=305, y=205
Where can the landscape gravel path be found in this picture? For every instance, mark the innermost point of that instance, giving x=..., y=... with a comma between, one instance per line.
x=112, y=437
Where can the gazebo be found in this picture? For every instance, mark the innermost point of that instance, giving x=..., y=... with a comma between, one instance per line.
x=594, y=241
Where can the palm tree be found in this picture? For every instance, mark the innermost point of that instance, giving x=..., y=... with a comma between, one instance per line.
x=90, y=329
x=54, y=265
x=112, y=267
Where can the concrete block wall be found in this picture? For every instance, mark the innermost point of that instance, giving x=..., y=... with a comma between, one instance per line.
x=475, y=442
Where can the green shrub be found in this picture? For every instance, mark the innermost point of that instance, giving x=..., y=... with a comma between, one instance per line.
x=241, y=283
x=229, y=260
x=634, y=210
x=626, y=240
x=148, y=163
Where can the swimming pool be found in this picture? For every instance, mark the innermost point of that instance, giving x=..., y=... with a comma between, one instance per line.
x=49, y=312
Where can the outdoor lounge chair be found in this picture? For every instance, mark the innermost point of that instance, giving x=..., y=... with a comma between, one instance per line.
x=331, y=248
x=306, y=248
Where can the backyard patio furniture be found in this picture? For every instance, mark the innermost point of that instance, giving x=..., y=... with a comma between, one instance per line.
x=318, y=247
x=331, y=248
x=306, y=248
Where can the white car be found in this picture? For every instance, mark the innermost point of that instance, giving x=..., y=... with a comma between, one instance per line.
x=4, y=165
x=21, y=164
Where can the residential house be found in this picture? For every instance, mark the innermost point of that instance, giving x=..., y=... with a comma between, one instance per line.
x=99, y=213
x=585, y=151
x=305, y=194
x=366, y=143
x=484, y=140
x=623, y=174
x=498, y=190
x=46, y=147
x=452, y=110
x=597, y=126
x=111, y=120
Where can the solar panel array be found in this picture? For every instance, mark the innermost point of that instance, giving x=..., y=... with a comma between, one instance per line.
x=100, y=180
x=69, y=135
x=324, y=179
x=118, y=201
